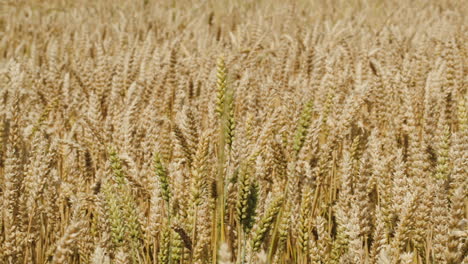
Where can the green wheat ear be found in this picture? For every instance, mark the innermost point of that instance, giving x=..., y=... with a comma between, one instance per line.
x=221, y=84
x=225, y=102
x=229, y=122
x=304, y=123
x=124, y=208
x=247, y=194
x=115, y=215
x=165, y=243
x=266, y=223
x=161, y=173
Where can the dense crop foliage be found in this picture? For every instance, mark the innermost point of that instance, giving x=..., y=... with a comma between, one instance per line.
x=236, y=131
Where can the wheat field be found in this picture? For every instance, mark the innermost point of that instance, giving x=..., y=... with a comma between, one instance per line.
x=233, y=132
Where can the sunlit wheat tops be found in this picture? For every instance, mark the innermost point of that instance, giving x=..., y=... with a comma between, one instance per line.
x=235, y=132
